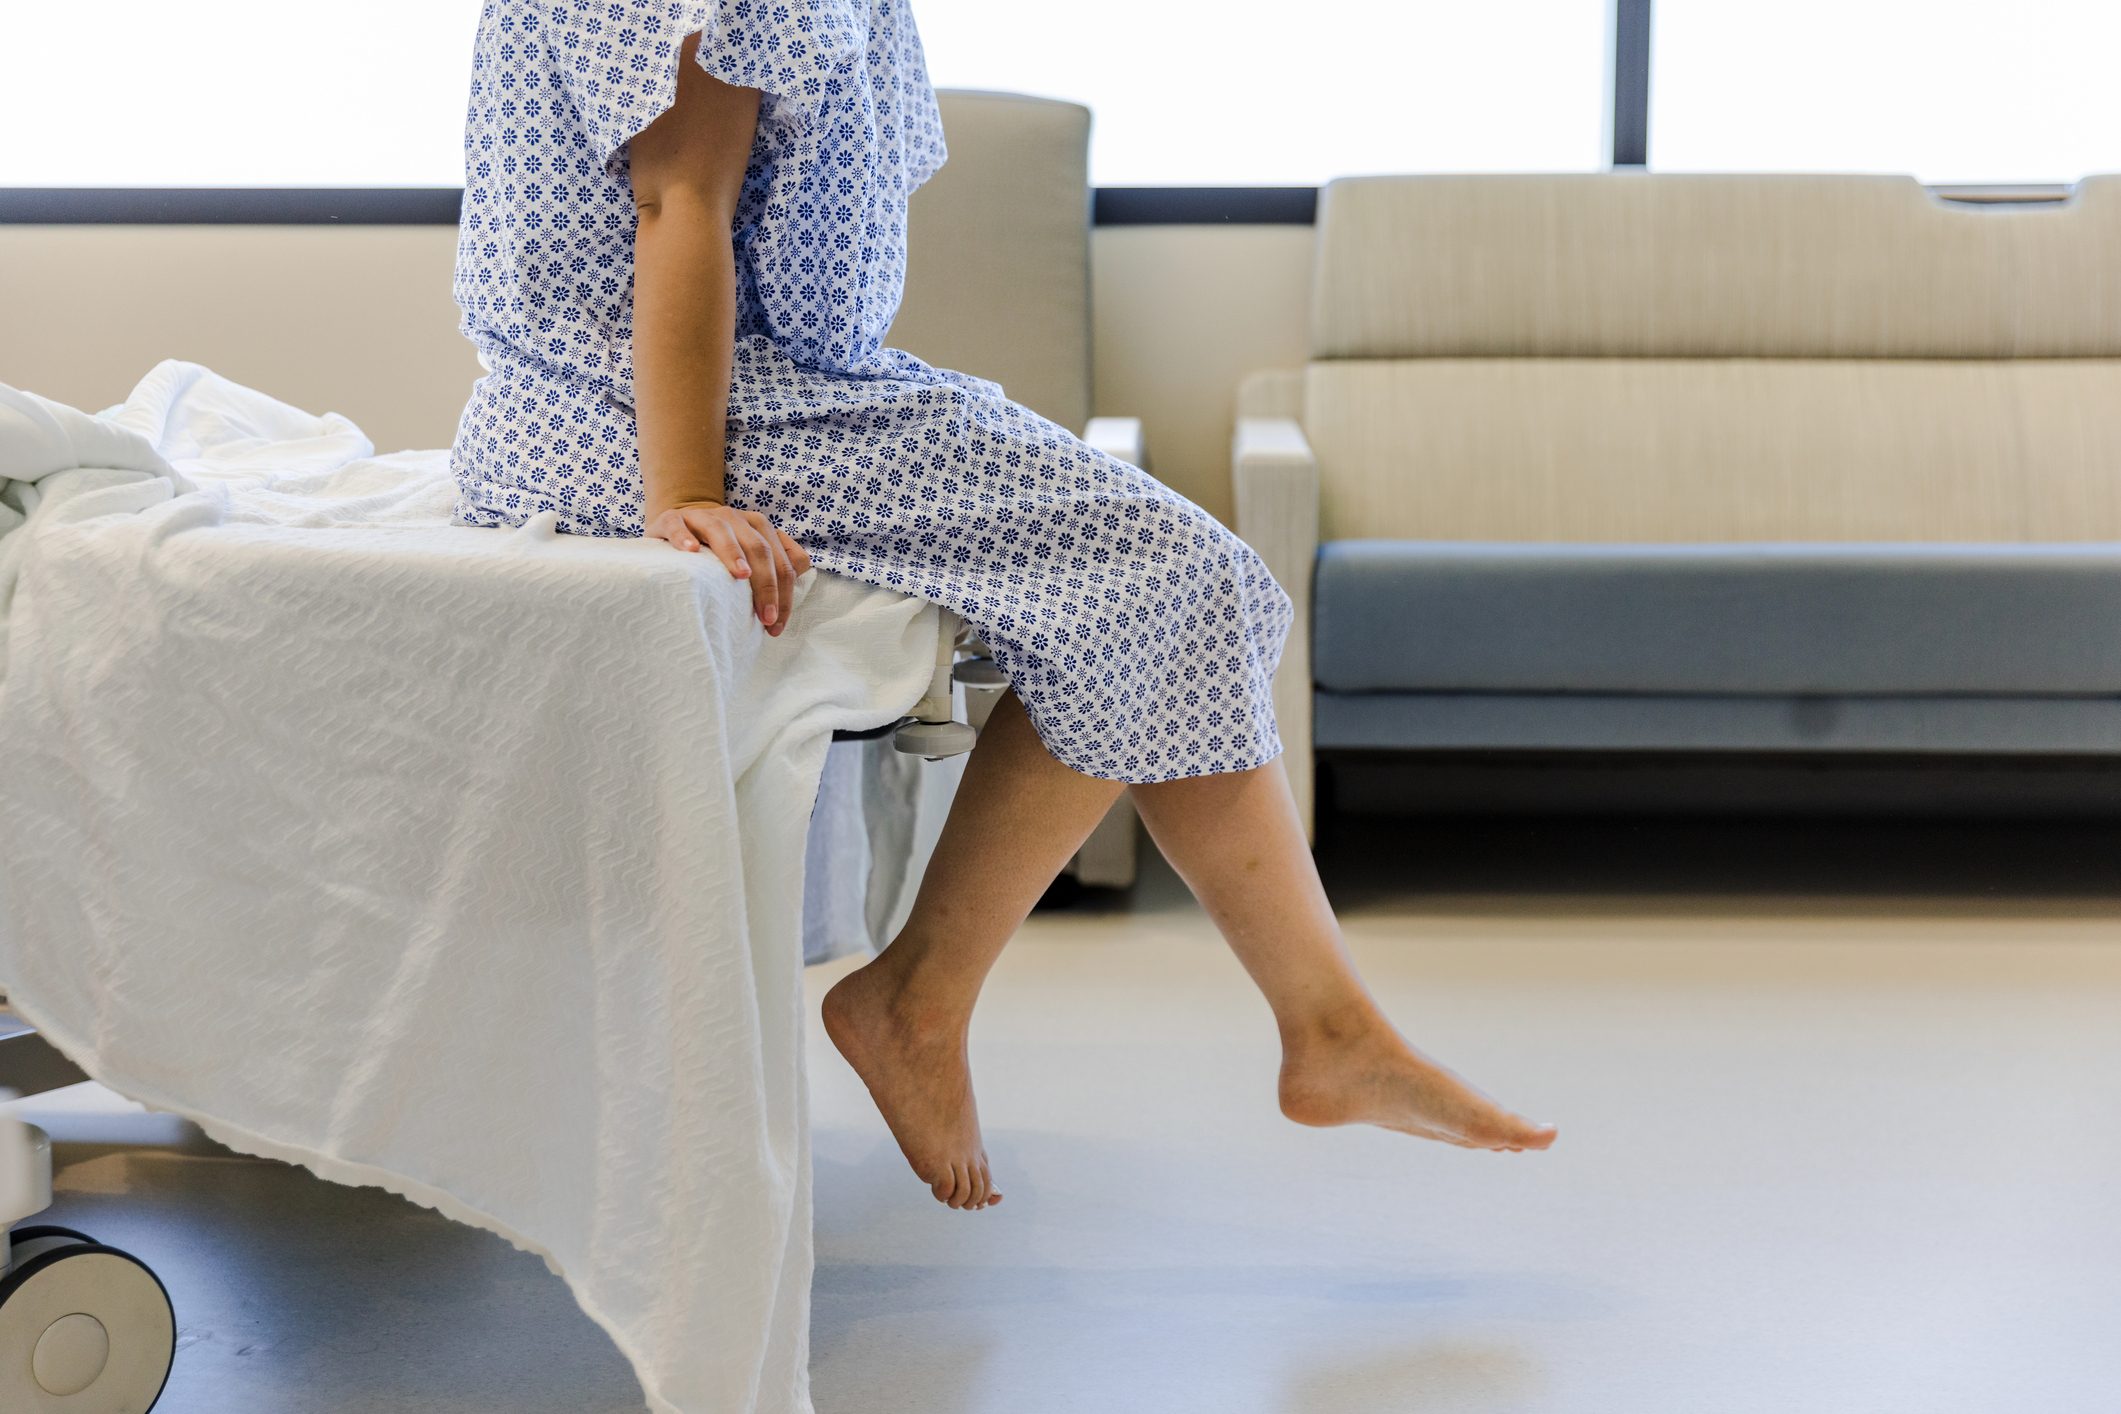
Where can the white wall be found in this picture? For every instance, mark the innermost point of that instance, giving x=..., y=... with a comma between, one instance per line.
x=359, y=320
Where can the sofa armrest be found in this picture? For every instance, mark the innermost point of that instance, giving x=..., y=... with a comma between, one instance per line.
x=1275, y=477
x=1120, y=437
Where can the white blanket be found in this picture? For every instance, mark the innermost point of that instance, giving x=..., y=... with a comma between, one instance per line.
x=463, y=862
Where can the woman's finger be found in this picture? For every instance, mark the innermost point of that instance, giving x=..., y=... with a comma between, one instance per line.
x=725, y=548
x=698, y=519
x=675, y=528
x=786, y=581
x=797, y=555
x=765, y=578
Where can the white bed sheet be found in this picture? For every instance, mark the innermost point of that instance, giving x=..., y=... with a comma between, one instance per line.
x=466, y=863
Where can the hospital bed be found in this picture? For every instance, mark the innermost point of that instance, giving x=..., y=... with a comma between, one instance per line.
x=86, y=1328
x=197, y=593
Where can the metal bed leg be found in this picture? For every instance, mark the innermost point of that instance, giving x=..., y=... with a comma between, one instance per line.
x=935, y=731
x=932, y=729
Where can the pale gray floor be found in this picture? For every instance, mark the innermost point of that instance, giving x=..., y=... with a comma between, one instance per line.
x=1837, y=1110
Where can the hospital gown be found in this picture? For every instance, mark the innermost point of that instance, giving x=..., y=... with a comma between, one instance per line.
x=1140, y=634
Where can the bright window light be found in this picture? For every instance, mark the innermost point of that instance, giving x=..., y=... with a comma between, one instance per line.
x=235, y=93
x=1950, y=91
x=1245, y=92
x=278, y=94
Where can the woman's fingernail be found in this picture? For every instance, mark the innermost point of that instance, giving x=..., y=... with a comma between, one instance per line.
x=769, y=614
x=743, y=571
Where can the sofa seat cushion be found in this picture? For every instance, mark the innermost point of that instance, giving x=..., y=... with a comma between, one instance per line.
x=1750, y=618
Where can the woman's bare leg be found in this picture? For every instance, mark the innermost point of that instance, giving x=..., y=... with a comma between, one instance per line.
x=902, y=1021
x=1236, y=839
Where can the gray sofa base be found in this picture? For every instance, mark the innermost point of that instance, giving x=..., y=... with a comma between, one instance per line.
x=1787, y=785
x=1669, y=722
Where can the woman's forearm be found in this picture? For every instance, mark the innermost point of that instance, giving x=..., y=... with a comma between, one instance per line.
x=684, y=329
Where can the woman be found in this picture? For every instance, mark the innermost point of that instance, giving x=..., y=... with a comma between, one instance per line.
x=682, y=244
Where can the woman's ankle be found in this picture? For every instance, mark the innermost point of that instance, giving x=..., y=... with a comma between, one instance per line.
x=1330, y=1025
x=916, y=996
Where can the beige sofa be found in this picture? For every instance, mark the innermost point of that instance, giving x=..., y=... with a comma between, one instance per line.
x=1697, y=463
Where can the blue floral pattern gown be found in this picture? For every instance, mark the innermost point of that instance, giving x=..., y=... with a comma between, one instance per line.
x=1139, y=633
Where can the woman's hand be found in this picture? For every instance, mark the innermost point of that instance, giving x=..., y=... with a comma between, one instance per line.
x=745, y=543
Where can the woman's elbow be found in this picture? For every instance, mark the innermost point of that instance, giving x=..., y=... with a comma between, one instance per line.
x=682, y=204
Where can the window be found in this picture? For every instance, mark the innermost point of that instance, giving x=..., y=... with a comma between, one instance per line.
x=1244, y=92
x=1951, y=91
x=272, y=93
x=235, y=93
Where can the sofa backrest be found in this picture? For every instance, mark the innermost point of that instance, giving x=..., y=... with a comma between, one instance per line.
x=1633, y=357
x=998, y=251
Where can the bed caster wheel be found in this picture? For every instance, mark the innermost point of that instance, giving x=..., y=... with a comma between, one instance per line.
x=934, y=740
x=37, y=1238
x=84, y=1328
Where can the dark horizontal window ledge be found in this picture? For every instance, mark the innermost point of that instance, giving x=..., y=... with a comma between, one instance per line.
x=230, y=206
x=1205, y=206
x=437, y=206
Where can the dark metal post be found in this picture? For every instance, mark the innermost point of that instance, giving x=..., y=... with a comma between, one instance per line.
x=1631, y=83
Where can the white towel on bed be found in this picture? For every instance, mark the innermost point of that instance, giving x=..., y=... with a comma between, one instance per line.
x=56, y=463
x=463, y=862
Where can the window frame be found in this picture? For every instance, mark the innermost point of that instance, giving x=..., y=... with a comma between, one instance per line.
x=1627, y=66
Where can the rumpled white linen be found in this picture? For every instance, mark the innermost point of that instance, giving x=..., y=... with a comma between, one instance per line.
x=57, y=464
x=467, y=863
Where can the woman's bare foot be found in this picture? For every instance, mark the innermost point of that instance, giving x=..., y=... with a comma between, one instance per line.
x=917, y=1072
x=1357, y=1069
